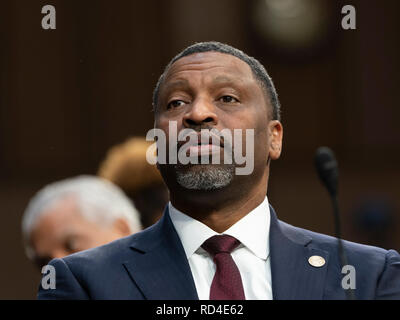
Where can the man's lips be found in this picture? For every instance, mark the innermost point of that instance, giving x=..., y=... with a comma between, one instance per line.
x=202, y=147
x=216, y=141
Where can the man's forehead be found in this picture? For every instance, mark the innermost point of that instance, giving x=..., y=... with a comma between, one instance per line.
x=210, y=62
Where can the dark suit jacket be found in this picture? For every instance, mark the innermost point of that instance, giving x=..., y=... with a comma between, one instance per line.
x=152, y=265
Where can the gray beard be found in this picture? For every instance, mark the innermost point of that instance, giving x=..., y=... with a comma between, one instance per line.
x=211, y=177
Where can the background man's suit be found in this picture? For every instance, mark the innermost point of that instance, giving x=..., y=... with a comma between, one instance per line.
x=152, y=265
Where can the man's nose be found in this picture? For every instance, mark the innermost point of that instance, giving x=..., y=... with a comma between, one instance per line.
x=202, y=113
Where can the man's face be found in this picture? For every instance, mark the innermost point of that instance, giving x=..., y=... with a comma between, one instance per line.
x=62, y=230
x=213, y=90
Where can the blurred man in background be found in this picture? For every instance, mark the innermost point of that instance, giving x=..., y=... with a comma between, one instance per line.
x=126, y=166
x=74, y=215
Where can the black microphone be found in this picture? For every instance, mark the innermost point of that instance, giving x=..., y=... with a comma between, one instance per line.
x=328, y=172
x=327, y=169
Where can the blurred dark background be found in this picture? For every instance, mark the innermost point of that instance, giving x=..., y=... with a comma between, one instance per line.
x=68, y=95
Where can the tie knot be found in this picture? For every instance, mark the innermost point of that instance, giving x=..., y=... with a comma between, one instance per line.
x=219, y=244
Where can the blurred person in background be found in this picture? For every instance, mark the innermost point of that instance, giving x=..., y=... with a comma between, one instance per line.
x=126, y=166
x=76, y=214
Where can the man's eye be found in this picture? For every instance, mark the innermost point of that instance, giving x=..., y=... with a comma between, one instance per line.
x=228, y=99
x=175, y=103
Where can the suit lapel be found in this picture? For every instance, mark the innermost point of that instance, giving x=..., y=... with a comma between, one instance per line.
x=293, y=277
x=159, y=266
x=159, y=248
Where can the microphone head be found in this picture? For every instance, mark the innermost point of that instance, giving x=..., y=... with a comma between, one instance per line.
x=327, y=169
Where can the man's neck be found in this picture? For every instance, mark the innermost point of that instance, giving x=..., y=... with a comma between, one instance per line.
x=220, y=209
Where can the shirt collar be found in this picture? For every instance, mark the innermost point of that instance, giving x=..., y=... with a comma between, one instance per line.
x=252, y=230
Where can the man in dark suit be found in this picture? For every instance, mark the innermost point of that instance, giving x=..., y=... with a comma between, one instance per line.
x=219, y=238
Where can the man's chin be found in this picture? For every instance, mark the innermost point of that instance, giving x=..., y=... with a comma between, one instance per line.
x=204, y=177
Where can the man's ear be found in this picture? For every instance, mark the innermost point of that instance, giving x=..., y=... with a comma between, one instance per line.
x=275, y=133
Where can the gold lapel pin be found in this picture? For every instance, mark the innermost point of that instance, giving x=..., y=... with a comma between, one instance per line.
x=316, y=261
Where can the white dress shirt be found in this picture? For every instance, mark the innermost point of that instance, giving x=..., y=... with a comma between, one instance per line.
x=251, y=256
